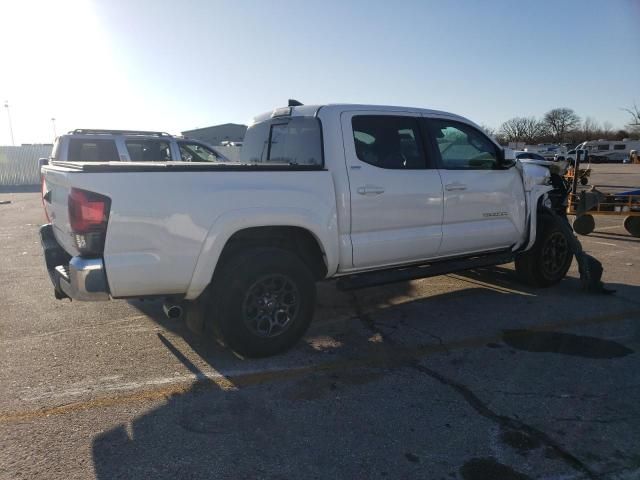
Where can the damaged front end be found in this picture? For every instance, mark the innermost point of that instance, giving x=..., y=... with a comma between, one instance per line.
x=545, y=184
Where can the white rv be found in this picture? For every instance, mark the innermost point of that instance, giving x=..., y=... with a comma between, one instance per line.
x=615, y=151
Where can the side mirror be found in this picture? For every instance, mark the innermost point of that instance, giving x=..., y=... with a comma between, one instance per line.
x=508, y=159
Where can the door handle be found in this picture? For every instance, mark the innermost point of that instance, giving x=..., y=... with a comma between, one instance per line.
x=370, y=190
x=455, y=186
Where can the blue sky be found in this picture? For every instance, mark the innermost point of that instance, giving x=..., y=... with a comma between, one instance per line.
x=176, y=65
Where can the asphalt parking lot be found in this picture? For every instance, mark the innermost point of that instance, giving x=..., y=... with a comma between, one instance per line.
x=467, y=376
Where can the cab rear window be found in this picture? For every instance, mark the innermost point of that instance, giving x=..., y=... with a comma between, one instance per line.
x=83, y=150
x=284, y=141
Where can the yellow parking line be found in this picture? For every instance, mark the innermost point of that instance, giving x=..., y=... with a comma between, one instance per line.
x=492, y=286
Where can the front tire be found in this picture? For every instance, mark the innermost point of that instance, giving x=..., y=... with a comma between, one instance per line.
x=263, y=301
x=548, y=261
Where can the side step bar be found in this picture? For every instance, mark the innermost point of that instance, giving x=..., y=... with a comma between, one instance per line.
x=442, y=267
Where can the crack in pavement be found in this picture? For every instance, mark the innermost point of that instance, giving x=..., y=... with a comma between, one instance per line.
x=371, y=325
x=507, y=422
x=478, y=405
x=428, y=334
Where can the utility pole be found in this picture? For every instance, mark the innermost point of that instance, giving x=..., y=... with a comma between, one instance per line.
x=53, y=122
x=6, y=105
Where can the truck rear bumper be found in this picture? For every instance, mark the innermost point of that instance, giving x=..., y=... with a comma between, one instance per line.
x=77, y=278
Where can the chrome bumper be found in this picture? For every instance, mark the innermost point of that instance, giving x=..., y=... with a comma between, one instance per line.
x=77, y=278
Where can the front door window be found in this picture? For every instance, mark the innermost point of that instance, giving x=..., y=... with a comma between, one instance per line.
x=462, y=147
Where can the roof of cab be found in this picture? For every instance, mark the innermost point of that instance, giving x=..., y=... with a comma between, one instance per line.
x=311, y=110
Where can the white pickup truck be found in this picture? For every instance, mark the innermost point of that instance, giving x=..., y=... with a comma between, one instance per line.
x=368, y=194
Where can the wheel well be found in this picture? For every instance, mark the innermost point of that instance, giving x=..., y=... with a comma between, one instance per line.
x=295, y=239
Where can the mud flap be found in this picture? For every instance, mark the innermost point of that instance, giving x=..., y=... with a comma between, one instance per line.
x=194, y=315
x=589, y=267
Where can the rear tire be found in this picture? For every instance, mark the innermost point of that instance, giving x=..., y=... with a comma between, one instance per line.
x=584, y=224
x=632, y=225
x=262, y=301
x=548, y=261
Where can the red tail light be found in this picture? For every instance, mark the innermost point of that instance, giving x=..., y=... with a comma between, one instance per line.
x=88, y=217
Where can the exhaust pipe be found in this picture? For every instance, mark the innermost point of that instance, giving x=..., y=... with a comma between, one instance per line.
x=172, y=311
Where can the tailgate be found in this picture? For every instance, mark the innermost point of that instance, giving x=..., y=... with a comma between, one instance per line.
x=55, y=189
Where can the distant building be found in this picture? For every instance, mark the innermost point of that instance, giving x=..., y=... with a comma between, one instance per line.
x=228, y=132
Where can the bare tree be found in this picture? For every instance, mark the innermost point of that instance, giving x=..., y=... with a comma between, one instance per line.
x=522, y=129
x=488, y=130
x=511, y=130
x=592, y=130
x=559, y=121
x=621, y=135
x=589, y=128
x=634, y=124
x=635, y=114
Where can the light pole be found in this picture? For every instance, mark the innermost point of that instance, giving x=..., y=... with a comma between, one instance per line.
x=53, y=122
x=6, y=105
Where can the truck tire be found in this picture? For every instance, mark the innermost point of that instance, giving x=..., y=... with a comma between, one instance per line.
x=584, y=224
x=262, y=301
x=548, y=261
x=632, y=225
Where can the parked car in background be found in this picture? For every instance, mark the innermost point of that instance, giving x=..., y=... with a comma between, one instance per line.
x=524, y=155
x=570, y=156
x=229, y=143
x=90, y=145
x=369, y=194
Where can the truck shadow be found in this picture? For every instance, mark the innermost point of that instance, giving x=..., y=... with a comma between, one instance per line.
x=618, y=237
x=333, y=308
x=288, y=417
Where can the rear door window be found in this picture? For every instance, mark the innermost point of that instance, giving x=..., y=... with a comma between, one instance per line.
x=148, y=150
x=387, y=141
x=90, y=150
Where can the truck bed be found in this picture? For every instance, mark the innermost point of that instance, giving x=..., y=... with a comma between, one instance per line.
x=100, y=167
x=162, y=225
